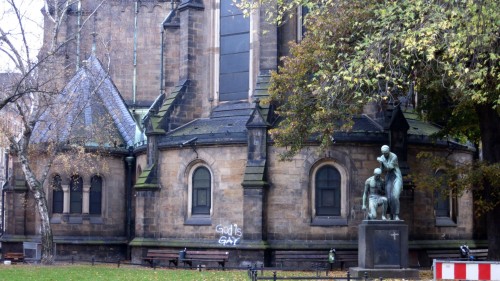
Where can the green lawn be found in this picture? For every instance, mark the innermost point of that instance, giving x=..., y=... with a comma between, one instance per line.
x=108, y=272
x=25, y=272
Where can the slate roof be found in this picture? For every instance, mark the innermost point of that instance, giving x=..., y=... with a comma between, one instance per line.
x=148, y=179
x=419, y=127
x=163, y=106
x=89, y=99
x=255, y=174
x=226, y=124
x=8, y=80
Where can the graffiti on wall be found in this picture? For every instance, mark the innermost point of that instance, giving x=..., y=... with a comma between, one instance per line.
x=229, y=234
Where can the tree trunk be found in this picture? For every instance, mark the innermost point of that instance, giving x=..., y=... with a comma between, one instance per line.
x=45, y=229
x=489, y=122
x=41, y=203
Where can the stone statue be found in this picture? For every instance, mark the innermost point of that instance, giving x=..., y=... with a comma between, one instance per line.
x=374, y=190
x=393, y=179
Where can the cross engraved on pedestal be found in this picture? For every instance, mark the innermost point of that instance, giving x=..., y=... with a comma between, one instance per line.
x=394, y=235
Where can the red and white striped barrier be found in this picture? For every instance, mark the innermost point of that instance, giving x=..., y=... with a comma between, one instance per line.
x=466, y=270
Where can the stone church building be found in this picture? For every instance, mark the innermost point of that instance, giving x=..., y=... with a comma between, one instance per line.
x=195, y=167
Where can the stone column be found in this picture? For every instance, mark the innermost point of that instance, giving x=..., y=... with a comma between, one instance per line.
x=268, y=42
x=85, y=198
x=253, y=218
x=254, y=181
x=192, y=40
x=66, y=198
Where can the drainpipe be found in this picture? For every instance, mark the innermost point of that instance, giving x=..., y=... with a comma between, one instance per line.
x=134, y=79
x=79, y=26
x=162, y=34
x=4, y=189
x=128, y=198
x=3, y=209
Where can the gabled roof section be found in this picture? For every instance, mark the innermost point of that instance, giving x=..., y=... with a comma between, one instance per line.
x=235, y=109
x=90, y=99
x=398, y=120
x=262, y=92
x=256, y=120
x=226, y=124
x=255, y=174
x=157, y=118
x=148, y=179
x=419, y=127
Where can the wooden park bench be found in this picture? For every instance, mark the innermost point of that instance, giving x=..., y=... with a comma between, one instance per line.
x=454, y=254
x=479, y=254
x=317, y=257
x=311, y=256
x=190, y=256
x=346, y=256
x=170, y=255
x=14, y=257
x=444, y=254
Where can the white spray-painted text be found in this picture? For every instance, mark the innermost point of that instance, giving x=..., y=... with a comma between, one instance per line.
x=230, y=234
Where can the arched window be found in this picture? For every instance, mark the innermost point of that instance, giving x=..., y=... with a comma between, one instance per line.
x=95, y=196
x=76, y=195
x=201, y=191
x=442, y=198
x=234, y=67
x=327, y=191
x=444, y=202
x=57, y=195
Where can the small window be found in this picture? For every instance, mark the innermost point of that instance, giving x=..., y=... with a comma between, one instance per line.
x=95, y=196
x=444, y=202
x=302, y=13
x=327, y=192
x=76, y=194
x=57, y=195
x=201, y=198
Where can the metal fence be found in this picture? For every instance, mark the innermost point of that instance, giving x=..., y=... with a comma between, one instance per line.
x=253, y=274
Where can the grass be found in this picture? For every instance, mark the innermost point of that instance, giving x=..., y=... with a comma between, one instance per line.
x=109, y=272
x=136, y=273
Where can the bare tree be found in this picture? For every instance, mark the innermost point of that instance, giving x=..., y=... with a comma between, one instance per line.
x=49, y=117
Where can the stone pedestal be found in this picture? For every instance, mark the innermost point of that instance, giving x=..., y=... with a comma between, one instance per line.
x=383, y=250
x=382, y=244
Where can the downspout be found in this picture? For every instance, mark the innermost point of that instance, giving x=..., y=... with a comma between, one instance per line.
x=79, y=16
x=162, y=34
x=4, y=189
x=3, y=209
x=134, y=79
x=128, y=199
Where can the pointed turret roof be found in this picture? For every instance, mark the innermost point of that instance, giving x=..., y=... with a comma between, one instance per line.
x=89, y=109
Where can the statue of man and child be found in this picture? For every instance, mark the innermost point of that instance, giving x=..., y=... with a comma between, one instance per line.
x=376, y=187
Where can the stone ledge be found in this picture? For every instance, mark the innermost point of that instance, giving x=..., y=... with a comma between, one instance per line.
x=402, y=273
